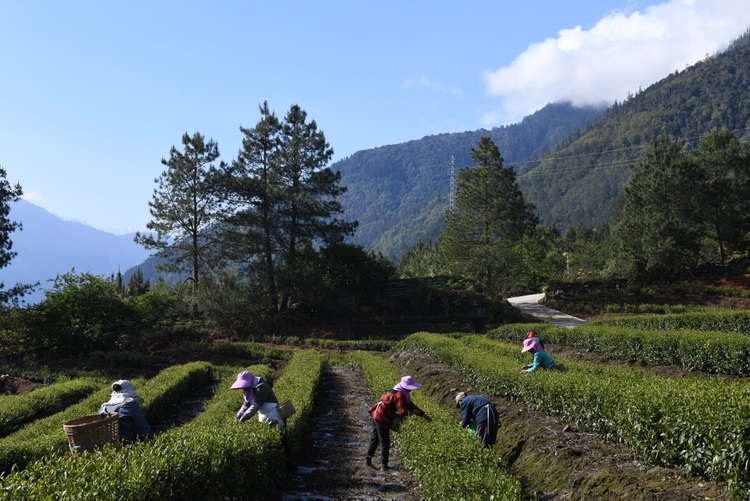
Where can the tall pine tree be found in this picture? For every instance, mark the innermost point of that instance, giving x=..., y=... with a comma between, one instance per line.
x=8, y=194
x=724, y=194
x=183, y=209
x=657, y=231
x=252, y=190
x=490, y=218
x=310, y=208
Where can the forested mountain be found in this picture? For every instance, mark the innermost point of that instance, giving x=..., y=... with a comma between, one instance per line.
x=578, y=182
x=399, y=193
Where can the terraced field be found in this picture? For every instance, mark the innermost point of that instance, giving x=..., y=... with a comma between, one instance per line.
x=609, y=428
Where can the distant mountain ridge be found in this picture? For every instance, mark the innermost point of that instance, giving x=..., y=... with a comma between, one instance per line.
x=399, y=193
x=48, y=246
x=571, y=163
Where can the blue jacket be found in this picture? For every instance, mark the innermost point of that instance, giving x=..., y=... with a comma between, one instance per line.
x=541, y=359
x=132, y=422
x=476, y=407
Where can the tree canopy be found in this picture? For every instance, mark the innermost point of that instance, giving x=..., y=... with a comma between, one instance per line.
x=490, y=217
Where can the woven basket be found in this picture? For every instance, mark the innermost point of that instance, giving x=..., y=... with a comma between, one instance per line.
x=89, y=432
x=286, y=409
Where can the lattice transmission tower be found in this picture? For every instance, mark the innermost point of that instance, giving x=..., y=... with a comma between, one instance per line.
x=452, y=194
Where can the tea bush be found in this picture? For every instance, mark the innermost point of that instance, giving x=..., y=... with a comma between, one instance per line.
x=669, y=421
x=208, y=458
x=46, y=437
x=444, y=459
x=17, y=410
x=700, y=350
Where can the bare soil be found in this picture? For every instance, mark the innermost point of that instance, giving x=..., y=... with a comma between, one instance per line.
x=333, y=467
x=16, y=385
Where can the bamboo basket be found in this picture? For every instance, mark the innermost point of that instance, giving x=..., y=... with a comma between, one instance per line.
x=89, y=432
x=286, y=409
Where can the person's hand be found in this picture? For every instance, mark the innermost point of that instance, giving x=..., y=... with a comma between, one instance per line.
x=236, y=420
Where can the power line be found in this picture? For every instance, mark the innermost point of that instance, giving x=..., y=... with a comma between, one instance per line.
x=606, y=165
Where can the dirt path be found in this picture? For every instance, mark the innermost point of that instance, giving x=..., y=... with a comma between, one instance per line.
x=334, y=467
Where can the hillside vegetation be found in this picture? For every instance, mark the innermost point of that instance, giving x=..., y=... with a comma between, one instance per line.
x=579, y=181
x=571, y=163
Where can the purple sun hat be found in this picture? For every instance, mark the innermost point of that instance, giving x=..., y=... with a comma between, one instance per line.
x=245, y=379
x=408, y=383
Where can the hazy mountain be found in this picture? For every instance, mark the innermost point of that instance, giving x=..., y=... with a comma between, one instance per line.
x=48, y=246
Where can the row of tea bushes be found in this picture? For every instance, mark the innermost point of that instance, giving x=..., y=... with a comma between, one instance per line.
x=699, y=350
x=253, y=351
x=711, y=319
x=208, y=458
x=46, y=436
x=700, y=424
x=446, y=461
x=17, y=410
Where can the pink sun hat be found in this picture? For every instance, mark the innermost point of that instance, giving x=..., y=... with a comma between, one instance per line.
x=245, y=379
x=408, y=383
x=529, y=344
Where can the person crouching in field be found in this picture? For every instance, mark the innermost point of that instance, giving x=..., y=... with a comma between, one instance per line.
x=126, y=402
x=482, y=410
x=258, y=398
x=541, y=359
x=394, y=405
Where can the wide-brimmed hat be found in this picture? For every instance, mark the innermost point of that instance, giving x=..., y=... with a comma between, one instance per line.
x=245, y=379
x=408, y=383
x=529, y=345
x=460, y=396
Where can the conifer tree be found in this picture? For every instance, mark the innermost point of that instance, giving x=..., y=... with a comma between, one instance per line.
x=490, y=218
x=310, y=209
x=8, y=194
x=657, y=230
x=283, y=204
x=724, y=192
x=183, y=209
x=252, y=189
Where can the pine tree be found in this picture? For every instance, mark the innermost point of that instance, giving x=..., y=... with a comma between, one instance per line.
x=657, y=231
x=183, y=208
x=252, y=189
x=282, y=202
x=724, y=192
x=8, y=194
x=310, y=206
x=490, y=218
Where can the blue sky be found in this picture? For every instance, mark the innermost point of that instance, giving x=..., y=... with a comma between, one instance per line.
x=94, y=94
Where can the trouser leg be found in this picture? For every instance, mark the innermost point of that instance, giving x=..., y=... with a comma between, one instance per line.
x=374, y=440
x=487, y=429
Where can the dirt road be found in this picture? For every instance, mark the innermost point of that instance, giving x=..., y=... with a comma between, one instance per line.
x=334, y=466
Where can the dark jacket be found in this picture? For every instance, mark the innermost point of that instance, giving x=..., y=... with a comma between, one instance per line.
x=476, y=407
x=132, y=422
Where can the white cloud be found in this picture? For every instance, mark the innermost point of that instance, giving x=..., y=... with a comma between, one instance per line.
x=32, y=196
x=424, y=82
x=621, y=54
